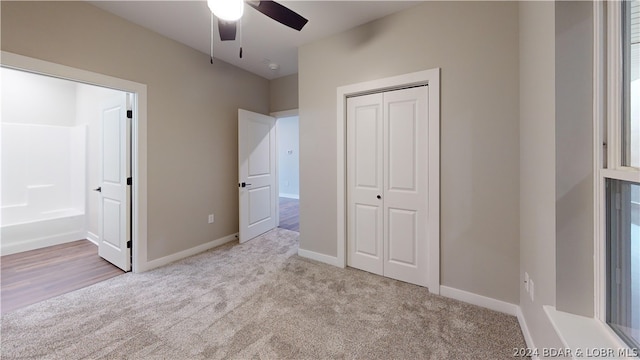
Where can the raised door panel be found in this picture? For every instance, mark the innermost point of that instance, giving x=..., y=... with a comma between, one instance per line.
x=402, y=237
x=366, y=160
x=367, y=239
x=402, y=153
x=364, y=183
x=259, y=154
x=259, y=204
x=406, y=185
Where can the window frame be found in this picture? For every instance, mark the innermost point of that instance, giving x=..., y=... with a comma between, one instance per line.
x=608, y=115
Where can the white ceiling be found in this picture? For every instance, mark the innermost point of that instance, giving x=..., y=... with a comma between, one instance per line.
x=263, y=40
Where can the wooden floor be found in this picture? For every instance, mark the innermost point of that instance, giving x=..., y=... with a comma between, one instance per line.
x=290, y=214
x=33, y=276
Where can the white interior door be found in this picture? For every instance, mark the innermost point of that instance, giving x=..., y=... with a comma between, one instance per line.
x=406, y=185
x=114, y=210
x=257, y=174
x=387, y=184
x=365, y=183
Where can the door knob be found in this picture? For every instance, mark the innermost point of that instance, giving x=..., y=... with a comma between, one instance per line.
x=99, y=189
x=379, y=197
x=244, y=184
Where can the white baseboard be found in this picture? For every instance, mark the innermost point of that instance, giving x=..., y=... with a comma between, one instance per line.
x=525, y=331
x=186, y=253
x=290, y=196
x=483, y=301
x=331, y=260
x=92, y=237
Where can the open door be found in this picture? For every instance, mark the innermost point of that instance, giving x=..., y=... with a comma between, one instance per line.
x=115, y=200
x=257, y=174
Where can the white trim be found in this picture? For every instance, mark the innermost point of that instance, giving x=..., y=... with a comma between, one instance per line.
x=432, y=78
x=625, y=174
x=599, y=113
x=139, y=135
x=614, y=79
x=92, y=237
x=331, y=260
x=289, y=196
x=284, y=113
x=190, y=252
x=580, y=332
x=525, y=331
x=479, y=300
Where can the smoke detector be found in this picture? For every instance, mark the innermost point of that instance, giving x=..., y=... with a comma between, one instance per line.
x=273, y=66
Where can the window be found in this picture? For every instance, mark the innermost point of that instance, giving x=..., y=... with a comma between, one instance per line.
x=623, y=260
x=617, y=114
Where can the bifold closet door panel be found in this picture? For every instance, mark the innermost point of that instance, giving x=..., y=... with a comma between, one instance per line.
x=365, y=183
x=405, y=163
x=387, y=184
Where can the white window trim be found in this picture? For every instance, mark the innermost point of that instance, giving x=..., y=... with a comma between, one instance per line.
x=607, y=120
x=599, y=116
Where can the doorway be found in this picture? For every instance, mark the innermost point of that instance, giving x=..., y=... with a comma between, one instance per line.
x=138, y=137
x=58, y=140
x=288, y=148
x=267, y=169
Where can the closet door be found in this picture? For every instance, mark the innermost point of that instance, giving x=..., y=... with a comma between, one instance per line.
x=405, y=196
x=387, y=184
x=365, y=183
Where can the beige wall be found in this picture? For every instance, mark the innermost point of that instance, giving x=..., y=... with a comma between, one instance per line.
x=574, y=158
x=283, y=93
x=192, y=110
x=476, y=46
x=537, y=167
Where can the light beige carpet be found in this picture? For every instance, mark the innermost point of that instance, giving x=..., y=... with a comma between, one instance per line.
x=256, y=300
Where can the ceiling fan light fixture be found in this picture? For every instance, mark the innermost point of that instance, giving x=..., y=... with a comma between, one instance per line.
x=228, y=10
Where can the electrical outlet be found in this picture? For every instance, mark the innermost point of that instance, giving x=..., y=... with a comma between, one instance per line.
x=211, y=219
x=526, y=281
x=531, y=289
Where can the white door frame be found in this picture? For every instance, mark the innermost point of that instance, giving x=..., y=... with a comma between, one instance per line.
x=138, y=135
x=427, y=77
x=279, y=115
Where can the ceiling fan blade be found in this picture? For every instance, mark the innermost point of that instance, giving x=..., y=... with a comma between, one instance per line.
x=280, y=13
x=227, y=30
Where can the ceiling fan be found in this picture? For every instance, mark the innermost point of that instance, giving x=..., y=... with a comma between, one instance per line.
x=229, y=12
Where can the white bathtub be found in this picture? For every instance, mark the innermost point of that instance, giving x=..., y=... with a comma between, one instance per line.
x=43, y=185
x=52, y=228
